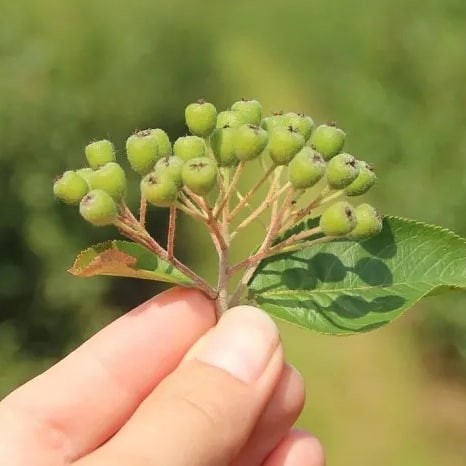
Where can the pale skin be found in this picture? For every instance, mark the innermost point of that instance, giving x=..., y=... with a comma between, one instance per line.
x=163, y=385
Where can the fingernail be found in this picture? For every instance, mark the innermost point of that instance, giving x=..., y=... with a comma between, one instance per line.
x=242, y=344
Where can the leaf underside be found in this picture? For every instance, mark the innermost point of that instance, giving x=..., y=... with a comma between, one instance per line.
x=126, y=259
x=344, y=287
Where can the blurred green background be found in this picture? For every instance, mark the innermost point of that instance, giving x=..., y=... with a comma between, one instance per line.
x=392, y=73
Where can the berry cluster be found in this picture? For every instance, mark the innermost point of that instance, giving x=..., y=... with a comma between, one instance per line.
x=199, y=176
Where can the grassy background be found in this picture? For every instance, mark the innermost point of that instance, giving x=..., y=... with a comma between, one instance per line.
x=391, y=73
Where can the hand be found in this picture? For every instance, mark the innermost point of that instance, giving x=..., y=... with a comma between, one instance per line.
x=162, y=386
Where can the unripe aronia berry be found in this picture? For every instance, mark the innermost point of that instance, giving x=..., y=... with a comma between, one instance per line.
x=328, y=140
x=70, y=187
x=200, y=175
x=189, y=147
x=338, y=219
x=251, y=109
x=342, y=170
x=365, y=180
x=201, y=118
x=170, y=167
x=86, y=173
x=160, y=191
x=110, y=178
x=284, y=143
x=368, y=223
x=99, y=153
x=230, y=119
x=142, y=151
x=163, y=142
x=306, y=168
x=249, y=142
x=273, y=121
x=222, y=144
x=98, y=207
x=301, y=123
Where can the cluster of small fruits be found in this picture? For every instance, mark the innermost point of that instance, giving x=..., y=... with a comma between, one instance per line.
x=225, y=140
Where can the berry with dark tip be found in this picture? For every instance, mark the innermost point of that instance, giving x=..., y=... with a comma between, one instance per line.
x=200, y=175
x=365, y=180
x=110, y=178
x=189, y=147
x=306, y=168
x=98, y=207
x=201, y=118
x=249, y=142
x=303, y=124
x=342, y=170
x=284, y=143
x=163, y=142
x=70, y=187
x=338, y=219
x=251, y=109
x=142, y=151
x=328, y=140
x=222, y=144
x=230, y=119
x=368, y=223
x=170, y=167
x=273, y=121
x=99, y=153
x=160, y=191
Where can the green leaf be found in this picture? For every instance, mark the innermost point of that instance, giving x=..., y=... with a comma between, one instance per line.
x=345, y=287
x=126, y=259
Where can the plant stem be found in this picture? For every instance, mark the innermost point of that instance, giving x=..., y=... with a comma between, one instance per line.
x=229, y=189
x=171, y=232
x=251, y=193
x=142, y=211
x=191, y=212
x=270, y=198
x=133, y=230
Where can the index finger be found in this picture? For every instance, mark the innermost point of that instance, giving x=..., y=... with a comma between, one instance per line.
x=90, y=394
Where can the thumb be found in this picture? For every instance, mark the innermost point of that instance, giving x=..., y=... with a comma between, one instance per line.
x=204, y=412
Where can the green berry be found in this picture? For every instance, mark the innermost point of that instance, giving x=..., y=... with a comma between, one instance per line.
x=249, y=142
x=301, y=123
x=251, y=109
x=70, y=187
x=328, y=140
x=86, y=173
x=163, y=142
x=189, y=147
x=159, y=190
x=170, y=167
x=368, y=222
x=99, y=153
x=98, y=208
x=230, y=119
x=342, y=170
x=284, y=143
x=201, y=118
x=110, y=178
x=222, y=144
x=273, y=121
x=142, y=151
x=365, y=180
x=200, y=175
x=338, y=219
x=306, y=168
